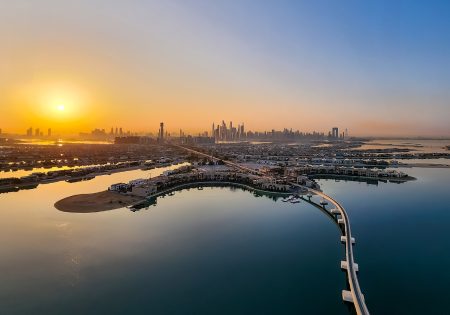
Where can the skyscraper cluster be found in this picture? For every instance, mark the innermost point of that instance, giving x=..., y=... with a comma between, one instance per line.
x=334, y=134
x=38, y=132
x=116, y=132
x=223, y=133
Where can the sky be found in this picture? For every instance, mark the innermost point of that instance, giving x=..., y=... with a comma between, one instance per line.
x=379, y=68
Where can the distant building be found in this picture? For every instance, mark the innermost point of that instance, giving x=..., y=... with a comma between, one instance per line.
x=335, y=132
x=161, y=132
x=134, y=140
x=49, y=132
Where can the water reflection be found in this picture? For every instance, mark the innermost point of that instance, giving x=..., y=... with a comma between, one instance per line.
x=217, y=251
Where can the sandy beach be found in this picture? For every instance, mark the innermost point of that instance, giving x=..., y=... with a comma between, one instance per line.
x=425, y=165
x=96, y=202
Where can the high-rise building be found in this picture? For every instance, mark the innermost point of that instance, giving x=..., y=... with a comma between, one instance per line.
x=335, y=132
x=161, y=131
x=37, y=132
x=49, y=132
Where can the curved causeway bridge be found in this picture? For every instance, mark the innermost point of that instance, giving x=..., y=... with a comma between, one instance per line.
x=355, y=295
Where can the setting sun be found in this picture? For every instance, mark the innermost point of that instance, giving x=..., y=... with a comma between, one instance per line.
x=61, y=107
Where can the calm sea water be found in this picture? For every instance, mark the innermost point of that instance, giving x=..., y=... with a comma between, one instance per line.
x=421, y=146
x=403, y=244
x=225, y=251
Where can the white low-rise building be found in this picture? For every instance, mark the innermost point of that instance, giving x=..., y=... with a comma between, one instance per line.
x=144, y=191
x=119, y=187
x=138, y=182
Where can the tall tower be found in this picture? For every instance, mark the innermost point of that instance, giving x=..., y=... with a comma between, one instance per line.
x=161, y=131
x=49, y=133
x=335, y=132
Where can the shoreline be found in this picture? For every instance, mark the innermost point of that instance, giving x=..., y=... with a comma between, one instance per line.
x=424, y=165
x=364, y=178
x=108, y=200
x=96, y=202
x=20, y=186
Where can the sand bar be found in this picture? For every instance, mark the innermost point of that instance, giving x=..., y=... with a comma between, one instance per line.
x=96, y=202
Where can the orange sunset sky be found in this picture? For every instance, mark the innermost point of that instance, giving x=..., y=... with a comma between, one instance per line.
x=75, y=66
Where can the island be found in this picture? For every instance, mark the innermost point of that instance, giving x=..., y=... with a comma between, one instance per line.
x=140, y=191
x=264, y=180
x=96, y=202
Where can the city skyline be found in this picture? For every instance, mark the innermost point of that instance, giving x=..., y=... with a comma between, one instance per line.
x=221, y=132
x=308, y=66
x=224, y=157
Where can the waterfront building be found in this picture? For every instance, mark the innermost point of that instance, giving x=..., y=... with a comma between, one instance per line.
x=119, y=187
x=138, y=182
x=143, y=191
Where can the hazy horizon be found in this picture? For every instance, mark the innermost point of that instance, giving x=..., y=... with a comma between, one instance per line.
x=377, y=68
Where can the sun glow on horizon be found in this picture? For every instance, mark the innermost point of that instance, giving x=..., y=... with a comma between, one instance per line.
x=63, y=105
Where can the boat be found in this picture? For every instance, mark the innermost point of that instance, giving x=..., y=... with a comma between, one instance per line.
x=287, y=199
x=200, y=188
x=295, y=200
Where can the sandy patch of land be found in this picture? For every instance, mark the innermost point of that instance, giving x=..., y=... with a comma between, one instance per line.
x=426, y=165
x=102, y=201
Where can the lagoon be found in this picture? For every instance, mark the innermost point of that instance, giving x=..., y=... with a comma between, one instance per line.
x=224, y=250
